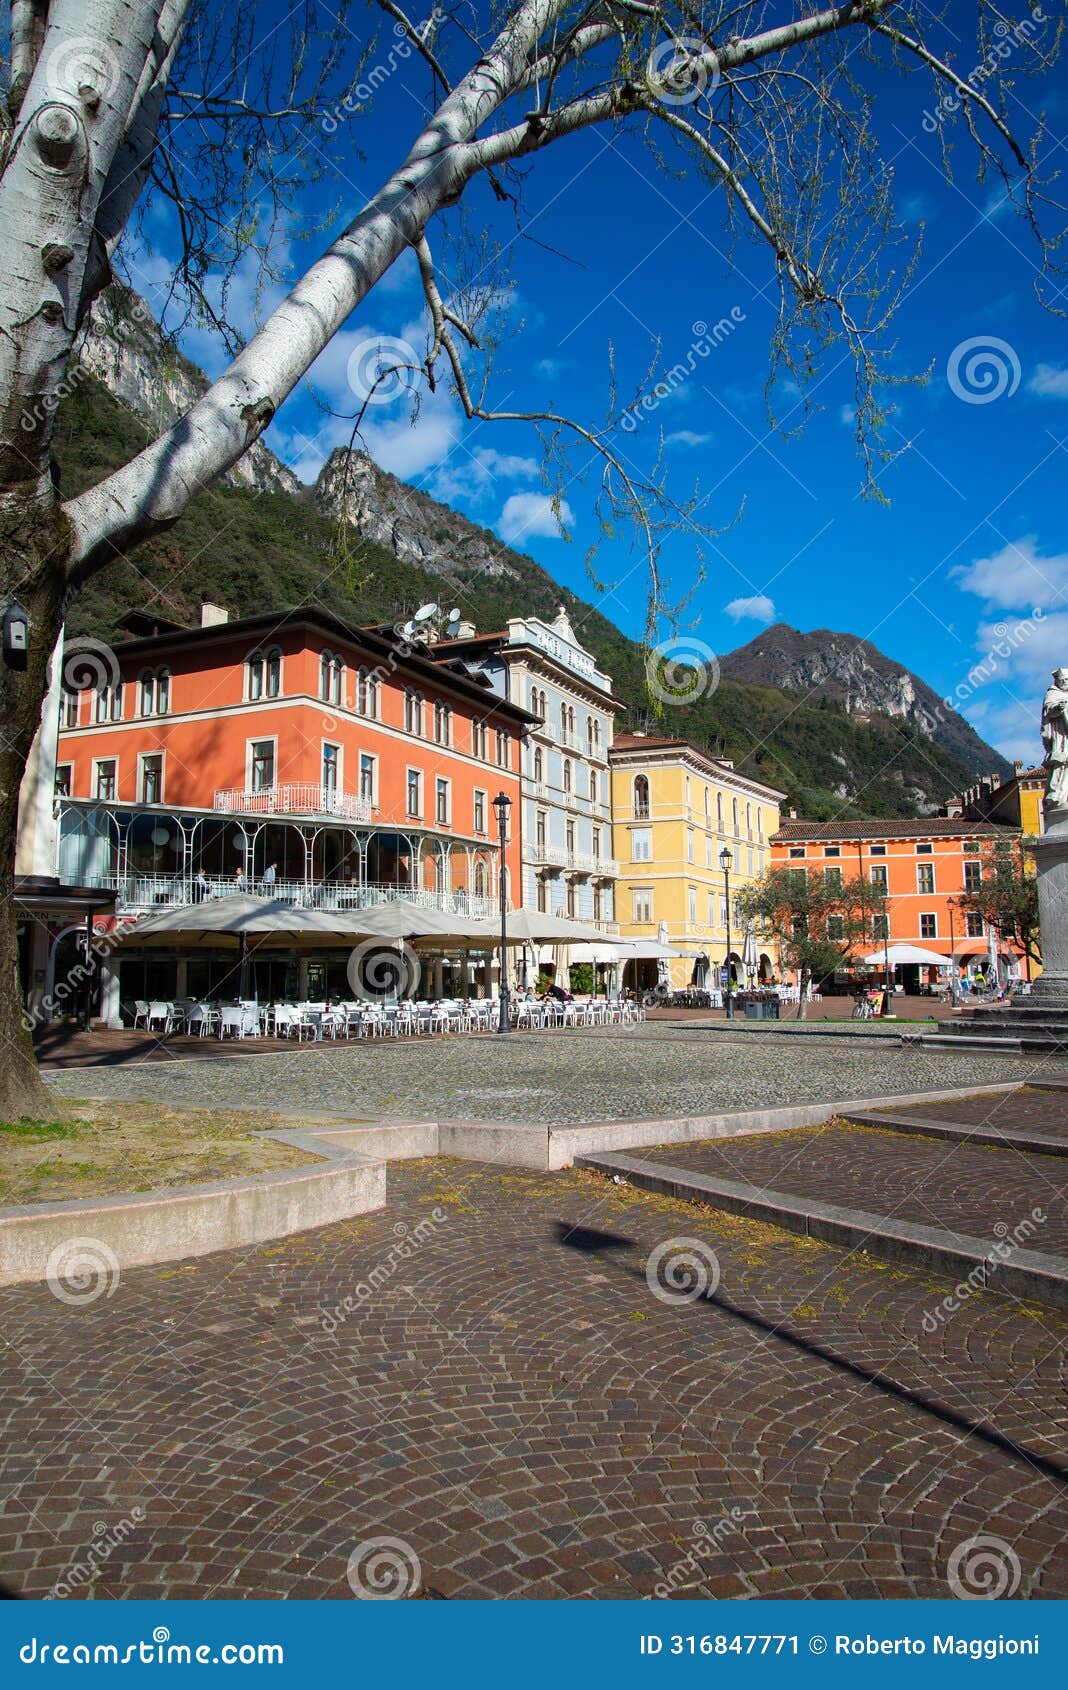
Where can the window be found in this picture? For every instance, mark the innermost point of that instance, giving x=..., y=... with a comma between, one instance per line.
x=924, y=850
x=598, y=903
x=539, y=766
x=734, y=814
x=593, y=786
x=155, y=692
x=693, y=904
x=878, y=876
x=590, y=741
x=415, y=792
x=708, y=850
x=570, y=901
x=719, y=811
x=925, y=879
x=928, y=927
x=441, y=802
x=973, y=876
x=595, y=842
x=641, y=844
x=749, y=820
x=478, y=741
x=708, y=797
x=502, y=750
x=151, y=782
x=878, y=851
x=331, y=761
x=106, y=779
x=64, y=772
x=832, y=878
x=331, y=671
x=711, y=909
x=797, y=851
x=367, y=693
x=543, y=896
x=413, y=713
x=263, y=674
x=368, y=776
x=109, y=703
x=641, y=797
x=973, y=925
x=261, y=764
x=480, y=812
x=442, y=724
x=68, y=709
x=567, y=774
x=835, y=927
x=690, y=845
x=540, y=831
x=880, y=927
x=832, y=850
x=569, y=835
x=641, y=904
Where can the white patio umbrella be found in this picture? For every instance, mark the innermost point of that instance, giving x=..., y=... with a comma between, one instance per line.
x=243, y=913
x=898, y=954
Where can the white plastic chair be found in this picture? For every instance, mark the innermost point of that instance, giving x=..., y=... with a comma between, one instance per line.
x=159, y=1013
x=140, y=1013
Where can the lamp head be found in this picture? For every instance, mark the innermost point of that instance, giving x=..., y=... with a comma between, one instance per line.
x=725, y=859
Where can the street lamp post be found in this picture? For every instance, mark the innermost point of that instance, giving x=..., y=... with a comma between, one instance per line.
x=502, y=804
x=725, y=862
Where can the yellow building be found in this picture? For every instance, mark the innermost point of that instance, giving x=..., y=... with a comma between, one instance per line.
x=1013, y=802
x=674, y=810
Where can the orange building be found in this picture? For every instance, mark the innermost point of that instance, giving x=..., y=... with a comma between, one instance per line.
x=331, y=765
x=923, y=866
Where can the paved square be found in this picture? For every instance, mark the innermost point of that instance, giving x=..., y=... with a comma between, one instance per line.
x=506, y=1394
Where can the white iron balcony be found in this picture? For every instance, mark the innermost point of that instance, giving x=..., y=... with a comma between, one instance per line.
x=295, y=798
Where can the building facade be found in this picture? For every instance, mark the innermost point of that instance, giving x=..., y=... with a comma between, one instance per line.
x=675, y=808
x=923, y=867
x=292, y=754
x=1014, y=802
x=568, y=862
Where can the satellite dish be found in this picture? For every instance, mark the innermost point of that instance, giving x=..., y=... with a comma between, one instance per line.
x=407, y=630
x=455, y=614
x=425, y=613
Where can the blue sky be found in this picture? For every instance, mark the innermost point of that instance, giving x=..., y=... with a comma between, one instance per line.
x=969, y=563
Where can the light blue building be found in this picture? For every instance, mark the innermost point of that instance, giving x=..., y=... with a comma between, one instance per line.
x=568, y=866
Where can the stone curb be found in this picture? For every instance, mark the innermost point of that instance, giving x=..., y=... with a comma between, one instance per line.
x=144, y=1228
x=995, y=1137
x=1029, y=1274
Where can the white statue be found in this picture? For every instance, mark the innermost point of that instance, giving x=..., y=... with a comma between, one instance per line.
x=1055, y=740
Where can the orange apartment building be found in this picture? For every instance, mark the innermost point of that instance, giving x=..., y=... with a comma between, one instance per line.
x=330, y=765
x=923, y=866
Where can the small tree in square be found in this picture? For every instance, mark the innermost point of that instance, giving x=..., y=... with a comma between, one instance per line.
x=818, y=920
x=1006, y=896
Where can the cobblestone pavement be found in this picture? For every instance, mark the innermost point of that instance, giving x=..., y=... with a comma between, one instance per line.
x=1029, y=1110
x=564, y=1077
x=529, y=1415
x=970, y=1188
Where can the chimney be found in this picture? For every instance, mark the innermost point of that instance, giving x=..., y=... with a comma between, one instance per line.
x=1017, y=767
x=213, y=615
x=792, y=815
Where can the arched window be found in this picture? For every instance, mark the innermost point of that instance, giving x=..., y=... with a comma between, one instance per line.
x=719, y=811
x=367, y=693
x=274, y=672
x=567, y=774
x=735, y=810
x=480, y=880
x=442, y=724
x=254, y=677
x=413, y=713
x=539, y=765
x=154, y=692
x=593, y=786
x=749, y=820
x=331, y=675
x=707, y=802
x=263, y=671
x=641, y=797
x=109, y=703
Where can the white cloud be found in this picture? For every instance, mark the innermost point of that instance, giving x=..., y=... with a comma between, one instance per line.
x=1018, y=577
x=847, y=415
x=1050, y=382
x=686, y=437
x=472, y=475
x=757, y=609
x=529, y=515
x=549, y=367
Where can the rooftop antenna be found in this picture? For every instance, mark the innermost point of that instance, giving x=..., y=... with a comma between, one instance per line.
x=453, y=626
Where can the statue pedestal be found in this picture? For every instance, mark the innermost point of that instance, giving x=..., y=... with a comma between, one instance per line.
x=1051, y=861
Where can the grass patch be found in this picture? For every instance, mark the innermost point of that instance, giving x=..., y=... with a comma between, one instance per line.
x=108, y=1149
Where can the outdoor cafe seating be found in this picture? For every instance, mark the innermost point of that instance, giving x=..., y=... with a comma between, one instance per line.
x=364, y=1020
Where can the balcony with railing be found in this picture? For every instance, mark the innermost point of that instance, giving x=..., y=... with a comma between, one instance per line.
x=137, y=893
x=558, y=856
x=295, y=798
